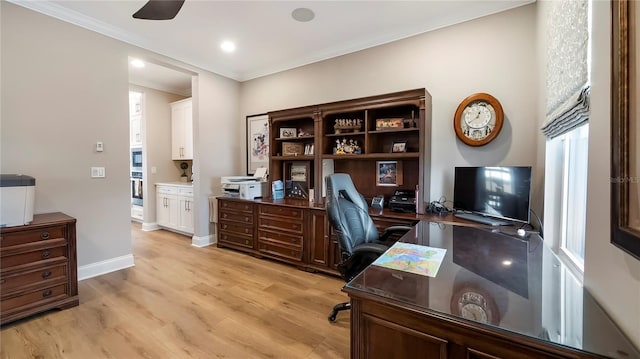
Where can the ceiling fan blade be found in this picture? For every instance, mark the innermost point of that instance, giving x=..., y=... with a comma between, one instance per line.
x=159, y=10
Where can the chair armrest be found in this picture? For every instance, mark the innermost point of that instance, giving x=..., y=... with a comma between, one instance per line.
x=394, y=230
x=369, y=248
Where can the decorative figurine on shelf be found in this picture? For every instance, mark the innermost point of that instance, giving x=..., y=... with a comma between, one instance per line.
x=345, y=147
x=302, y=133
x=183, y=176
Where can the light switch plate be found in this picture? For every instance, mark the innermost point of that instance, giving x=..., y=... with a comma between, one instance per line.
x=97, y=172
x=99, y=146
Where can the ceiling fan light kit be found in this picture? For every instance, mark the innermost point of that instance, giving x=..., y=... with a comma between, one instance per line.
x=159, y=10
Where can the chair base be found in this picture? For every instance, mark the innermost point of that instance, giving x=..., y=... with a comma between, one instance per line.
x=337, y=308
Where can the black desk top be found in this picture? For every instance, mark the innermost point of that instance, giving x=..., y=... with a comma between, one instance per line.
x=499, y=279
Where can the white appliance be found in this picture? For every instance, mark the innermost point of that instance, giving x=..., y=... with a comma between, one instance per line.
x=17, y=199
x=243, y=187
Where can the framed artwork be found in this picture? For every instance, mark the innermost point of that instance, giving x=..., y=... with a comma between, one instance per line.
x=288, y=132
x=625, y=127
x=257, y=142
x=399, y=146
x=389, y=173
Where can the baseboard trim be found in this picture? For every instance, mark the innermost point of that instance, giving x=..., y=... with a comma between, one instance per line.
x=203, y=241
x=104, y=267
x=148, y=227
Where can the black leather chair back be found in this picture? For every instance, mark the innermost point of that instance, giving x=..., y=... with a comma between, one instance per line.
x=348, y=214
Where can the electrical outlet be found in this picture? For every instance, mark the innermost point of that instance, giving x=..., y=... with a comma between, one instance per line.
x=97, y=172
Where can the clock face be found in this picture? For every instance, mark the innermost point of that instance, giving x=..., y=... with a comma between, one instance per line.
x=478, y=119
x=474, y=303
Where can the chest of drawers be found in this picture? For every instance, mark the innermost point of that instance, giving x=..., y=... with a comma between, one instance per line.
x=38, y=266
x=235, y=225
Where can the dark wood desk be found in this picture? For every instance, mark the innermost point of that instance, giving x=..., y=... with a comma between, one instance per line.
x=496, y=295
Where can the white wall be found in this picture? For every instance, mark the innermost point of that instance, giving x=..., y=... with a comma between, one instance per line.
x=612, y=276
x=59, y=97
x=494, y=54
x=63, y=89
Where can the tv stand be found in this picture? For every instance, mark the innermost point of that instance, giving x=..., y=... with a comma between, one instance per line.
x=483, y=219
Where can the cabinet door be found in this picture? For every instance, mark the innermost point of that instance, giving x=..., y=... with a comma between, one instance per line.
x=185, y=214
x=181, y=131
x=319, y=246
x=167, y=210
x=136, y=131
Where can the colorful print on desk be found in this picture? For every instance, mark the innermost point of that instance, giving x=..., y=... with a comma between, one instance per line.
x=412, y=258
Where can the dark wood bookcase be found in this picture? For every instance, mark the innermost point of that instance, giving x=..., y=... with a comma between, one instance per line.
x=358, y=136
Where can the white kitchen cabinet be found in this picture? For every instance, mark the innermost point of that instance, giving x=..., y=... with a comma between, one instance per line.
x=185, y=209
x=174, y=207
x=181, y=130
x=136, y=131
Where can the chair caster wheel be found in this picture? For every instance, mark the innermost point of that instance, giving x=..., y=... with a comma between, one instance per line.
x=332, y=318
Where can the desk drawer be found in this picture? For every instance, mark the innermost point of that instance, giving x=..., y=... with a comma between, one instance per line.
x=236, y=239
x=280, y=224
x=282, y=238
x=33, y=256
x=239, y=217
x=288, y=212
x=280, y=251
x=32, y=277
x=244, y=229
x=40, y=296
x=237, y=206
x=36, y=235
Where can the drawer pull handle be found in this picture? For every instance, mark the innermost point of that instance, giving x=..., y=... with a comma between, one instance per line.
x=224, y=226
x=246, y=219
x=246, y=242
x=44, y=236
x=295, y=226
x=246, y=230
x=47, y=293
x=224, y=215
x=46, y=274
x=46, y=254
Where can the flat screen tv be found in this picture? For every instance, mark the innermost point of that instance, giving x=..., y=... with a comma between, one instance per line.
x=482, y=193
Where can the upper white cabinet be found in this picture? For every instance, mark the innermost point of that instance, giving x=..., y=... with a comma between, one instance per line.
x=135, y=118
x=181, y=130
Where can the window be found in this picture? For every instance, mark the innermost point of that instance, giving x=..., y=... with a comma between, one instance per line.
x=567, y=129
x=574, y=194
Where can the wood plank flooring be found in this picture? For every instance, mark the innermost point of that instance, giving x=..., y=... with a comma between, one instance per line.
x=180, y=301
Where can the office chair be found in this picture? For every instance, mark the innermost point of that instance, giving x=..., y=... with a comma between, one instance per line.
x=358, y=239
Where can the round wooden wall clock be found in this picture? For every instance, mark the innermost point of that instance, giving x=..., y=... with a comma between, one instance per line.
x=478, y=119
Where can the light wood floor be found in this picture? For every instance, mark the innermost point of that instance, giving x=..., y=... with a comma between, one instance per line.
x=180, y=301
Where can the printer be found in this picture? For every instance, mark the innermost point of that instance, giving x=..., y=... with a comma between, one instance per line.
x=245, y=187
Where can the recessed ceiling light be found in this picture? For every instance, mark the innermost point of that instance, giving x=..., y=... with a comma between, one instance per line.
x=228, y=46
x=303, y=14
x=137, y=63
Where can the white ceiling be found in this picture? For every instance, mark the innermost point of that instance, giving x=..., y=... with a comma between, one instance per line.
x=268, y=40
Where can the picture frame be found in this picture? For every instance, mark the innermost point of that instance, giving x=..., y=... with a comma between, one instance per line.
x=389, y=173
x=257, y=142
x=288, y=132
x=625, y=135
x=292, y=148
x=398, y=146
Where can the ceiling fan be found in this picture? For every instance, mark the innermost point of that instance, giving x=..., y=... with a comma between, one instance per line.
x=159, y=10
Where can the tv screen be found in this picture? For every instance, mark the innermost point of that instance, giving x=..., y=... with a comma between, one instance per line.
x=500, y=192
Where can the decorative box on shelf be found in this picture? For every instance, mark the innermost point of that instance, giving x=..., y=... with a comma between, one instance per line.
x=389, y=124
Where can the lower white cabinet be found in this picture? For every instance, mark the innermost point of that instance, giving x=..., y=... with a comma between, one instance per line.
x=174, y=206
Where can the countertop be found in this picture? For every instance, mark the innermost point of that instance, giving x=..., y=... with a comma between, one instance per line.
x=177, y=183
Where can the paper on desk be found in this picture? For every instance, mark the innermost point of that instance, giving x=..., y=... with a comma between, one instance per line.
x=413, y=258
